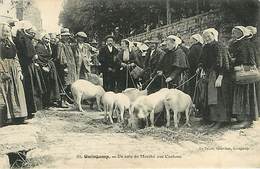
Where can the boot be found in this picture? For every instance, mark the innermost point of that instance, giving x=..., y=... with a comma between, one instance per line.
x=217, y=126
x=242, y=125
x=212, y=124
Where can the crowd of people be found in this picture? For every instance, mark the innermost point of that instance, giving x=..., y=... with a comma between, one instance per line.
x=36, y=73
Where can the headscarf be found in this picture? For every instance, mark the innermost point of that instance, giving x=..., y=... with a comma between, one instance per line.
x=252, y=29
x=131, y=44
x=177, y=40
x=213, y=31
x=2, y=25
x=43, y=34
x=25, y=25
x=198, y=37
x=244, y=30
x=141, y=46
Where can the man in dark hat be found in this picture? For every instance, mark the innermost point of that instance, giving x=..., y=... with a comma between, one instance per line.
x=153, y=56
x=107, y=59
x=66, y=61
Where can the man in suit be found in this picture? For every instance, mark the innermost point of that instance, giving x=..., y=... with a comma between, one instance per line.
x=153, y=56
x=107, y=59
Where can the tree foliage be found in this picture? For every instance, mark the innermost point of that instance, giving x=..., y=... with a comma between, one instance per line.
x=244, y=12
x=99, y=17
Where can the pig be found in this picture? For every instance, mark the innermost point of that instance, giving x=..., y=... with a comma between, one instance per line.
x=178, y=102
x=108, y=100
x=122, y=103
x=85, y=90
x=96, y=80
x=149, y=105
x=133, y=93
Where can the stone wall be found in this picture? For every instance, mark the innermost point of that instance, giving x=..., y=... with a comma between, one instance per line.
x=186, y=27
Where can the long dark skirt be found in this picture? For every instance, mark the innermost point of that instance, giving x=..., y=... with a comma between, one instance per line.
x=124, y=80
x=52, y=85
x=200, y=99
x=245, y=103
x=219, y=99
x=34, y=88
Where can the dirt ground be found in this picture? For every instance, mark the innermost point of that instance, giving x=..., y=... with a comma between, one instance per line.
x=67, y=139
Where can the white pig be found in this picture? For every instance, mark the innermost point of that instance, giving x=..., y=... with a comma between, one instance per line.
x=149, y=105
x=133, y=93
x=108, y=100
x=85, y=90
x=178, y=102
x=122, y=103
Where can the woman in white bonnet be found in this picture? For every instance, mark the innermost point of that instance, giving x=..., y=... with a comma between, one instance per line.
x=194, y=57
x=33, y=79
x=215, y=62
x=245, y=103
x=49, y=72
x=174, y=64
x=256, y=47
x=11, y=86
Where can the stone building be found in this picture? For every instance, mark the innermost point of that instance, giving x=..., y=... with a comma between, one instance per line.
x=21, y=10
x=27, y=10
x=7, y=10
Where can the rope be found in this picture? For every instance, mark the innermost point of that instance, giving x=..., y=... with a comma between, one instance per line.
x=195, y=75
x=167, y=84
x=126, y=83
x=63, y=89
x=186, y=81
x=196, y=88
x=149, y=84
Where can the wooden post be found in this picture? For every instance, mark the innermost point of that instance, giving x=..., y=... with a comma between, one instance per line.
x=168, y=8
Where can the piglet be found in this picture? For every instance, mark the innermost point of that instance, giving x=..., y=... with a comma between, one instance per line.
x=85, y=90
x=149, y=105
x=122, y=103
x=178, y=102
x=108, y=100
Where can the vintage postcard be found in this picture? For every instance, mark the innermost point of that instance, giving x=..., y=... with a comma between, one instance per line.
x=129, y=84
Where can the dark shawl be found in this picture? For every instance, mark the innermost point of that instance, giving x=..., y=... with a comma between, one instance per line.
x=215, y=56
x=174, y=60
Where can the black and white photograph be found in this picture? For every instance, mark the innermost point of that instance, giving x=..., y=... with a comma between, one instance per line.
x=113, y=84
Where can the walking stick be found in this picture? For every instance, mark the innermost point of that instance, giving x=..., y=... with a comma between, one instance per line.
x=126, y=77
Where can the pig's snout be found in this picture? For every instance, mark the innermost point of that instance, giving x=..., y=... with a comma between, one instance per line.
x=139, y=114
